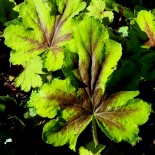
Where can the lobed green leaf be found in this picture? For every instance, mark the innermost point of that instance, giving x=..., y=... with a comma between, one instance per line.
x=66, y=133
x=145, y=20
x=30, y=75
x=51, y=96
x=91, y=149
x=120, y=115
x=41, y=30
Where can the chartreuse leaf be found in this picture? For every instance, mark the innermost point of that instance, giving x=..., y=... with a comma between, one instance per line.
x=91, y=149
x=83, y=151
x=41, y=30
x=98, y=55
x=71, y=108
x=96, y=9
x=72, y=8
x=30, y=75
x=145, y=20
x=59, y=134
x=120, y=115
x=74, y=119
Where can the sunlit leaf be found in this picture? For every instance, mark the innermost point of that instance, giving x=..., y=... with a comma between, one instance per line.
x=145, y=20
x=59, y=134
x=30, y=75
x=42, y=30
x=77, y=74
x=148, y=65
x=98, y=54
x=91, y=149
x=47, y=100
x=96, y=9
x=124, y=31
x=119, y=116
x=7, y=11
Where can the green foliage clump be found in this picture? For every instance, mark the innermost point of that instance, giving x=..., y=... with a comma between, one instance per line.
x=78, y=40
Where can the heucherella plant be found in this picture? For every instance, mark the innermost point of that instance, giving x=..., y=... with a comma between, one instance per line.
x=69, y=36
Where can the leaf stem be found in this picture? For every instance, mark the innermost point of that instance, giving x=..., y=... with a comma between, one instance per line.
x=94, y=128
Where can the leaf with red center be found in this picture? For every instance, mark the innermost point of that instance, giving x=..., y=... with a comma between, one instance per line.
x=41, y=30
x=60, y=99
x=96, y=9
x=98, y=56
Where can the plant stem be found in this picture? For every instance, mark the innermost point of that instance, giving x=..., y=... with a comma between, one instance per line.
x=94, y=128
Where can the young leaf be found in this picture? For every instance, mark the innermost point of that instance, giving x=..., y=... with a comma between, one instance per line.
x=30, y=75
x=145, y=20
x=98, y=54
x=7, y=11
x=96, y=9
x=83, y=151
x=124, y=31
x=42, y=31
x=74, y=117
